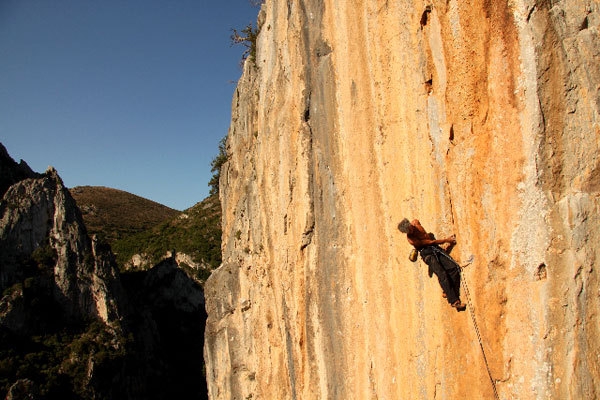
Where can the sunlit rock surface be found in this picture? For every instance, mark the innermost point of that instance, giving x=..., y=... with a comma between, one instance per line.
x=479, y=118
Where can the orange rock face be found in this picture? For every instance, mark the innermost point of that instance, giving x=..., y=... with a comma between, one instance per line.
x=479, y=118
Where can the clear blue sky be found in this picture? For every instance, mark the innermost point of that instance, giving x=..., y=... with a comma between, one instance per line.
x=129, y=94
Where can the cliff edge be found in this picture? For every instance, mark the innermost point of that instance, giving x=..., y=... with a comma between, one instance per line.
x=480, y=119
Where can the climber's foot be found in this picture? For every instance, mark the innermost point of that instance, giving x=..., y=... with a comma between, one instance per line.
x=459, y=305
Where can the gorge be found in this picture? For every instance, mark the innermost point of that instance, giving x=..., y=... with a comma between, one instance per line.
x=72, y=326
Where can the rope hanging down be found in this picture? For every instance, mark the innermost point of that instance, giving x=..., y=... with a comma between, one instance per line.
x=472, y=312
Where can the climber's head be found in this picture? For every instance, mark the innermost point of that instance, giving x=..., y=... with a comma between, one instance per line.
x=404, y=226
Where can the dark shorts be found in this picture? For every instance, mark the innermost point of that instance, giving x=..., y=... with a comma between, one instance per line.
x=446, y=270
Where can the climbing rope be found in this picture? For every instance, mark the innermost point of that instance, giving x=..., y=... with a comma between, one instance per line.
x=472, y=311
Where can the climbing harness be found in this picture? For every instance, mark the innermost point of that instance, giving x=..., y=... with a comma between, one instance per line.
x=437, y=252
x=472, y=312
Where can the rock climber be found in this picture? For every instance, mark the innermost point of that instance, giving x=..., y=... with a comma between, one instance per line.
x=440, y=263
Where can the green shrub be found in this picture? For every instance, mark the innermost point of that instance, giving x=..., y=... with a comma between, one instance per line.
x=246, y=37
x=198, y=235
x=44, y=256
x=58, y=361
x=215, y=167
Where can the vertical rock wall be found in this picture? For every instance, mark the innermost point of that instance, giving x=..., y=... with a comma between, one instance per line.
x=40, y=214
x=480, y=118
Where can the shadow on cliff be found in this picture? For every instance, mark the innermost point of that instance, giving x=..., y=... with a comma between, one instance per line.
x=158, y=353
x=168, y=325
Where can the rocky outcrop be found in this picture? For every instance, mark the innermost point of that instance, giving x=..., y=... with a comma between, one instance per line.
x=478, y=118
x=11, y=172
x=62, y=301
x=70, y=325
x=39, y=218
x=144, y=261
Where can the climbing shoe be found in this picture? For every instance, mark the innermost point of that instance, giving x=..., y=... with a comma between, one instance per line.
x=460, y=306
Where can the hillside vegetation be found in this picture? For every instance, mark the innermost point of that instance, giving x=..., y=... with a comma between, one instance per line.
x=114, y=214
x=134, y=225
x=196, y=232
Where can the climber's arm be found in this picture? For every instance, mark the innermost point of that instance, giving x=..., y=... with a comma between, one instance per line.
x=418, y=237
x=422, y=242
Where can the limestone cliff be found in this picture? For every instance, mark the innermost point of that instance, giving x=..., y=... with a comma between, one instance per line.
x=38, y=217
x=480, y=118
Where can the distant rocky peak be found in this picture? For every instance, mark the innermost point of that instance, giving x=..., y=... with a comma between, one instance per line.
x=42, y=234
x=12, y=172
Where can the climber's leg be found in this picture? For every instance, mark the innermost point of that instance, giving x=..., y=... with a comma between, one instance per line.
x=453, y=271
x=445, y=282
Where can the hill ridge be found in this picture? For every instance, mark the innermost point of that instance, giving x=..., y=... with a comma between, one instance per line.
x=114, y=213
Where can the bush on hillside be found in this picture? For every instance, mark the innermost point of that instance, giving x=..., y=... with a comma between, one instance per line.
x=197, y=235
